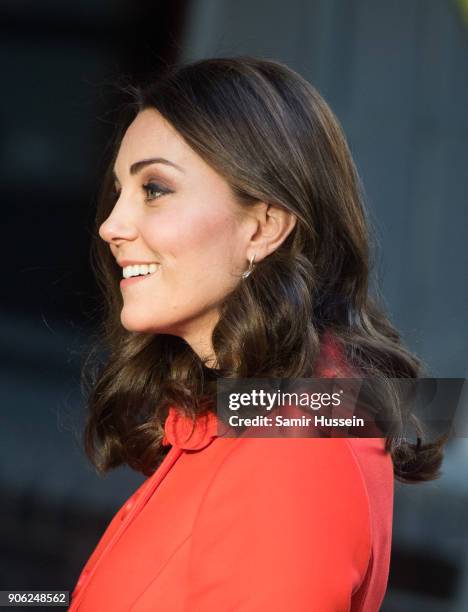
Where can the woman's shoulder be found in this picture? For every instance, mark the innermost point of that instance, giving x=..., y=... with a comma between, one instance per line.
x=289, y=472
x=296, y=457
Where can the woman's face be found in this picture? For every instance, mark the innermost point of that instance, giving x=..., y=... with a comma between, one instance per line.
x=181, y=215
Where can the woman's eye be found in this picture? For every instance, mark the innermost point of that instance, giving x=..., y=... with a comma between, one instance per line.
x=154, y=191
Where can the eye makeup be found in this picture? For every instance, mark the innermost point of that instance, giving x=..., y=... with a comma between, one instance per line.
x=152, y=187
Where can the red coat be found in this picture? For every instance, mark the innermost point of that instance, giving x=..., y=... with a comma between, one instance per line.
x=248, y=525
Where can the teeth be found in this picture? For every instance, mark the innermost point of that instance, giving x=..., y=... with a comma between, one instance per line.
x=139, y=269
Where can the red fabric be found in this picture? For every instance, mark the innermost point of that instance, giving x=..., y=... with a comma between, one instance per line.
x=249, y=525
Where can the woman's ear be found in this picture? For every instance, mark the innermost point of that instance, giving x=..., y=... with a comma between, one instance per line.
x=273, y=224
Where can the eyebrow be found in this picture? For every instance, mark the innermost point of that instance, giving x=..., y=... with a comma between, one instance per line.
x=136, y=167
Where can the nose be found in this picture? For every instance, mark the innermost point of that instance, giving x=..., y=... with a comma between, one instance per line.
x=115, y=229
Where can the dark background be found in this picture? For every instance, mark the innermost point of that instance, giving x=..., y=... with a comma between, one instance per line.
x=395, y=74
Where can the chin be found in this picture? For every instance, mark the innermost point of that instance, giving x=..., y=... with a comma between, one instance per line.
x=135, y=322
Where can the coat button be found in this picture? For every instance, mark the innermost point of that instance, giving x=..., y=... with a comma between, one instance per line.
x=128, y=506
x=80, y=582
x=126, y=509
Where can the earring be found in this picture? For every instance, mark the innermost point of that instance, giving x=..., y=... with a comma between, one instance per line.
x=251, y=267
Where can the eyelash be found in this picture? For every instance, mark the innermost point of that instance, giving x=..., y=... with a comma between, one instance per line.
x=155, y=187
x=151, y=186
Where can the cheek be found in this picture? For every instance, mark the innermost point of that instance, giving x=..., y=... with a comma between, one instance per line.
x=192, y=237
x=197, y=250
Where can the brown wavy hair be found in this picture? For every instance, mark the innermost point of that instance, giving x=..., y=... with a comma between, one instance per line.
x=273, y=138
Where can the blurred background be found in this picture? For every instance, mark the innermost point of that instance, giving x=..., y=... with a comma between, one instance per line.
x=396, y=75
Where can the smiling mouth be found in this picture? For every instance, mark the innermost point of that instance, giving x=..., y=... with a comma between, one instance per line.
x=139, y=270
x=136, y=278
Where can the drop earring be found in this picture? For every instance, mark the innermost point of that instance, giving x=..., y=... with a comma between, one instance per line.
x=250, y=268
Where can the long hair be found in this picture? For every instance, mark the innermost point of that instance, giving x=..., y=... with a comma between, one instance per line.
x=273, y=138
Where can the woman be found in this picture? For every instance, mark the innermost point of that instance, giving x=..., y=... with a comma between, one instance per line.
x=233, y=196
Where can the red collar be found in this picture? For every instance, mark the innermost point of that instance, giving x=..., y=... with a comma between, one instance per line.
x=180, y=431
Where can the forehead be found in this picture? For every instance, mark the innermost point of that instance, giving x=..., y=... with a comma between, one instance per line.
x=150, y=135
